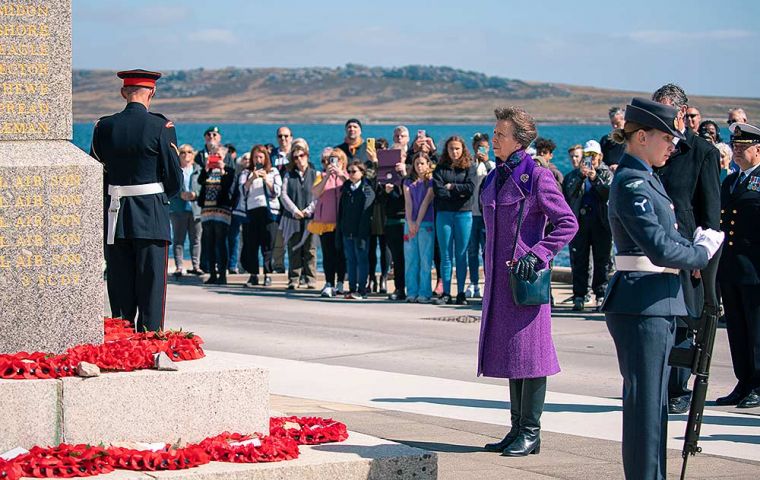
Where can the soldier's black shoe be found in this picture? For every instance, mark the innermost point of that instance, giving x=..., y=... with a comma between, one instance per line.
x=222, y=280
x=679, y=404
x=733, y=398
x=750, y=401
x=211, y=280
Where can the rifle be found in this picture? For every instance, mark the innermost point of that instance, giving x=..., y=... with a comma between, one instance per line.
x=697, y=358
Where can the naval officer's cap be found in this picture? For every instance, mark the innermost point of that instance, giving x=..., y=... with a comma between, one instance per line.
x=653, y=114
x=139, y=78
x=744, y=134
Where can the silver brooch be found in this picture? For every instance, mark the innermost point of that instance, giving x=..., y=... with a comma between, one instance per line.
x=524, y=177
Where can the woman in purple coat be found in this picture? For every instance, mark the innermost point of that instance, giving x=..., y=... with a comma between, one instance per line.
x=516, y=341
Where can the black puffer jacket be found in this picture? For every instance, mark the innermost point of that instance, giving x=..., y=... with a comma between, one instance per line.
x=355, y=210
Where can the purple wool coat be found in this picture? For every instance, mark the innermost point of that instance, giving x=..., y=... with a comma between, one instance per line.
x=516, y=341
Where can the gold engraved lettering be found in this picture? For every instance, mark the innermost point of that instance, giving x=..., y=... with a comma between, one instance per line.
x=29, y=201
x=2, y=242
x=24, y=69
x=60, y=279
x=2, y=201
x=4, y=263
x=28, y=182
x=29, y=88
x=67, y=259
x=66, y=220
x=24, y=30
x=3, y=223
x=29, y=261
x=65, y=200
x=29, y=222
x=66, y=180
x=18, y=128
x=24, y=50
x=25, y=280
x=24, y=108
x=30, y=240
x=65, y=239
x=17, y=10
x=2, y=183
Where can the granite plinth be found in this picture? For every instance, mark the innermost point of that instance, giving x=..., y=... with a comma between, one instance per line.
x=35, y=70
x=203, y=398
x=29, y=414
x=51, y=247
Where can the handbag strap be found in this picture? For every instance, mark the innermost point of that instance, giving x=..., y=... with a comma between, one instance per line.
x=519, y=226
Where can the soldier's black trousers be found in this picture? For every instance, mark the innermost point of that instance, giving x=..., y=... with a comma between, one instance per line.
x=742, y=305
x=643, y=345
x=137, y=281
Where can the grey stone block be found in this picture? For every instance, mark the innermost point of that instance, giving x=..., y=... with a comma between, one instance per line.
x=204, y=397
x=29, y=413
x=51, y=247
x=361, y=457
x=36, y=72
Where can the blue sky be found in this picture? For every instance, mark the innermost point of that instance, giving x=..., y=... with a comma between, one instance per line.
x=708, y=47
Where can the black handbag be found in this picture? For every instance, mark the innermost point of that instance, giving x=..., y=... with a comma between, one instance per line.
x=537, y=289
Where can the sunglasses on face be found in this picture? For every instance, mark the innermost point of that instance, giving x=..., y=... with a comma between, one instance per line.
x=691, y=115
x=282, y=136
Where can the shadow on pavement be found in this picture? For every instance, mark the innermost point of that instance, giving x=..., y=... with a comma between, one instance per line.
x=439, y=447
x=499, y=405
x=731, y=421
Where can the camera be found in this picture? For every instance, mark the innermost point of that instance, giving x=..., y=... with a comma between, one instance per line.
x=588, y=162
x=259, y=166
x=421, y=134
x=333, y=160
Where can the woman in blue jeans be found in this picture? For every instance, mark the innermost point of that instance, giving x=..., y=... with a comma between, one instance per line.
x=453, y=187
x=419, y=233
x=354, y=222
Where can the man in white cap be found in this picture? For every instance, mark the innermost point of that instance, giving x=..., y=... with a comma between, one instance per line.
x=586, y=190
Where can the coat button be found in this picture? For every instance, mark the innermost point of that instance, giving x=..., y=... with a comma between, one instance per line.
x=721, y=222
x=733, y=211
x=730, y=244
x=676, y=225
x=672, y=207
x=731, y=232
x=722, y=211
x=732, y=222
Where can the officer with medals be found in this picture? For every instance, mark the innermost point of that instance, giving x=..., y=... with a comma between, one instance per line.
x=138, y=150
x=739, y=269
x=645, y=295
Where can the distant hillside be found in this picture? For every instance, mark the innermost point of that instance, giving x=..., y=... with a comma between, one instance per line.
x=415, y=94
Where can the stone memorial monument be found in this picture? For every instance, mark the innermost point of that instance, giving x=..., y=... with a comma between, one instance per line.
x=51, y=193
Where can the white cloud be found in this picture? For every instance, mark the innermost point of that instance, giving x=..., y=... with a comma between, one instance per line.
x=672, y=37
x=214, y=35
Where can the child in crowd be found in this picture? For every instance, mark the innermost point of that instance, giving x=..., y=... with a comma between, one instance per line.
x=419, y=233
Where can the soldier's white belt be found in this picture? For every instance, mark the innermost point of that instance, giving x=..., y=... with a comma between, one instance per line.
x=117, y=192
x=640, y=263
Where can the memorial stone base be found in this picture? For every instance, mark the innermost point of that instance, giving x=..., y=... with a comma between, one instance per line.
x=51, y=246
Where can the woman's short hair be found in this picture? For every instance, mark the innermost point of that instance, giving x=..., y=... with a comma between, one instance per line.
x=299, y=141
x=703, y=128
x=574, y=147
x=300, y=147
x=724, y=150
x=463, y=161
x=187, y=146
x=267, y=161
x=524, y=125
x=337, y=153
x=623, y=135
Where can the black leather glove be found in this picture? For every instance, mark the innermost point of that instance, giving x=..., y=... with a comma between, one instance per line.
x=525, y=266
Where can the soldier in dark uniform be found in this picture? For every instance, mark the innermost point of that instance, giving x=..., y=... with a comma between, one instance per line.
x=692, y=180
x=138, y=150
x=645, y=295
x=739, y=272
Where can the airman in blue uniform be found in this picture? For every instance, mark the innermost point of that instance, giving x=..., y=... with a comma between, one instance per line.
x=645, y=295
x=138, y=150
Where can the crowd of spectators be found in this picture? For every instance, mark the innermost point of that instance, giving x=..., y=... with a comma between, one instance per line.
x=373, y=220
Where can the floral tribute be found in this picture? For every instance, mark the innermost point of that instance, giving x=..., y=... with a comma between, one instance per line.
x=64, y=461
x=308, y=430
x=239, y=448
x=10, y=470
x=167, y=458
x=123, y=350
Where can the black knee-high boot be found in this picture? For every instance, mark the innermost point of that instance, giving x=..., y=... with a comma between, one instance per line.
x=515, y=399
x=531, y=407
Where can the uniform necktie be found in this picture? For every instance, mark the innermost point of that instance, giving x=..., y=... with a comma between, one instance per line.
x=739, y=181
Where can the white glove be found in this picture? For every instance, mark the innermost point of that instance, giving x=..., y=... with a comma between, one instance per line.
x=710, y=239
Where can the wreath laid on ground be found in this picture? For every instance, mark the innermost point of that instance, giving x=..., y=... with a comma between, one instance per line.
x=123, y=350
x=308, y=430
